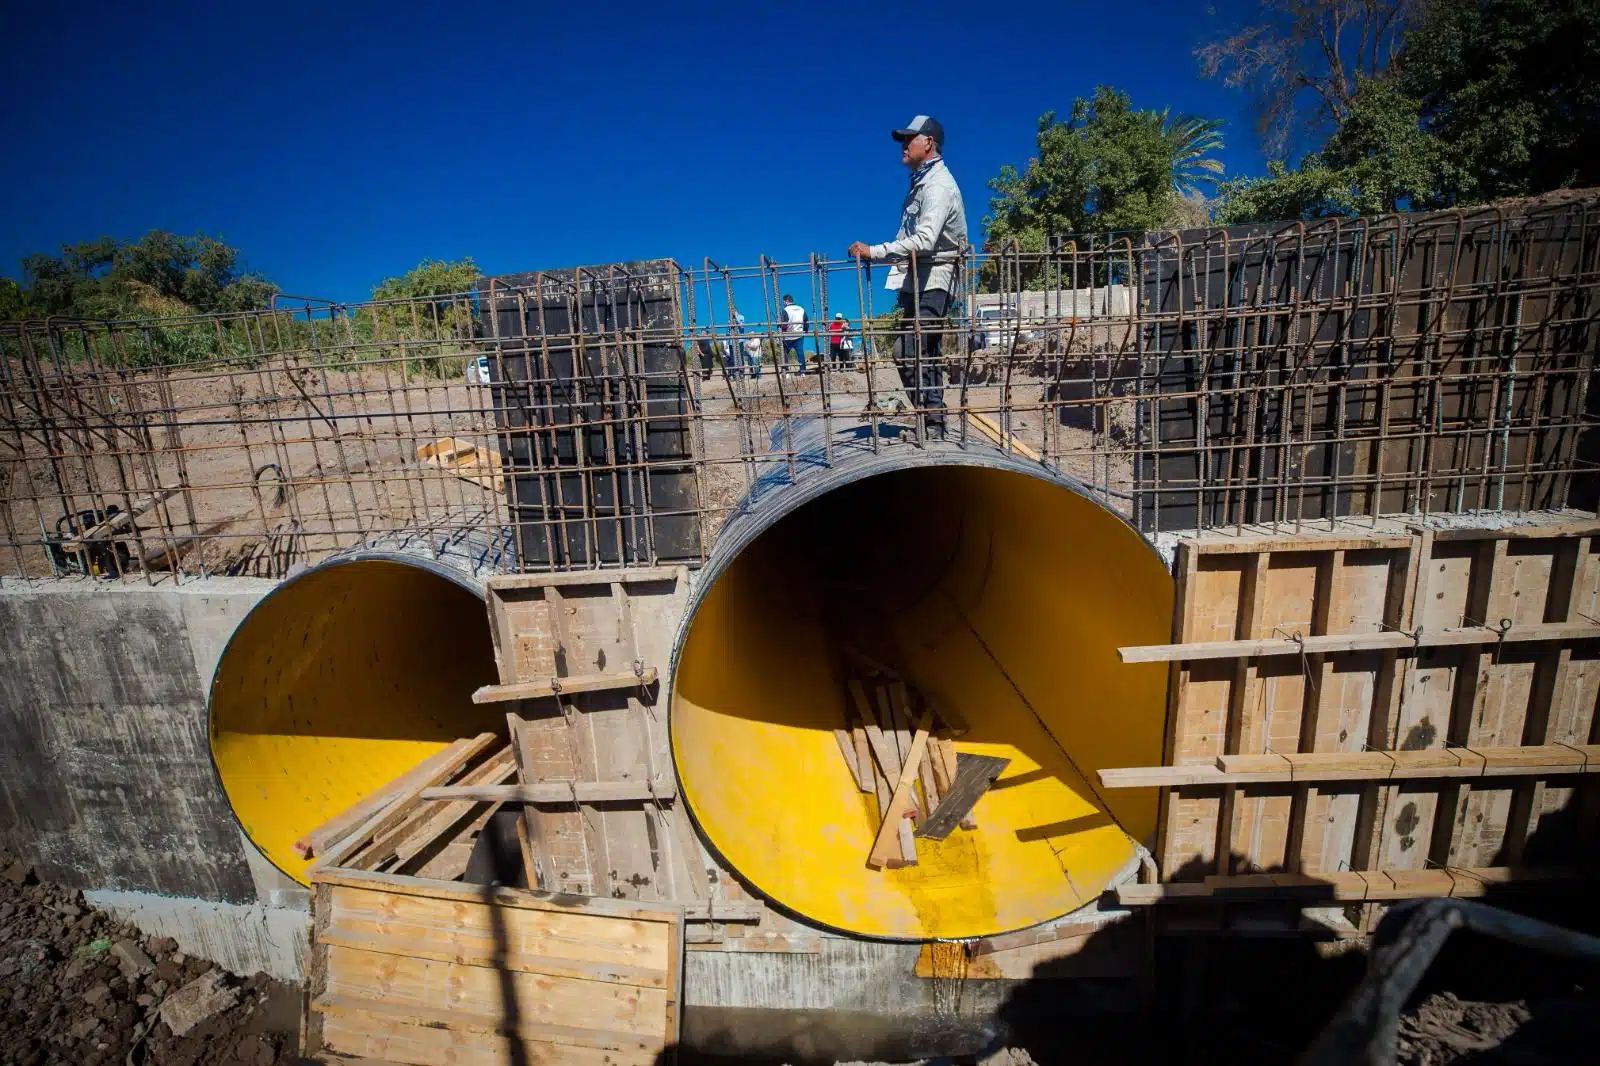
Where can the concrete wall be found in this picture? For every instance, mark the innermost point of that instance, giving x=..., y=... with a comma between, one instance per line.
x=106, y=781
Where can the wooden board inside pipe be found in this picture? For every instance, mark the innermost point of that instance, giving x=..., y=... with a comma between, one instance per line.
x=338, y=682
x=998, y=593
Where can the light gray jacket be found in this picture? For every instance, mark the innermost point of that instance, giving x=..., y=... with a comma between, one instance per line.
x=933, y=224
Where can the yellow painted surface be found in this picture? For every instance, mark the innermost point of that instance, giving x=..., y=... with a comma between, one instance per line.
x=338, y=683
x=1007, y=598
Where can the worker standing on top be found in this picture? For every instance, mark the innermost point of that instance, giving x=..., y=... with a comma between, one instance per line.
x=926, y=254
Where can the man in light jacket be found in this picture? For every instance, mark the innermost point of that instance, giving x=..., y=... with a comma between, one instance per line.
x=926, y=254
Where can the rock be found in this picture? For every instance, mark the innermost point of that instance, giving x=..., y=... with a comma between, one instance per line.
x=161, y=945
x=82, y=1030
x=16, y=873
x=168, y=971
x=179, y=958
x=196, y=1001
x=96, y=995
x=131, y=958
x=145, y=999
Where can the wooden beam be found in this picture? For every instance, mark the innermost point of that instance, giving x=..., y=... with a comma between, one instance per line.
x=1344, y=886
x=396, y=812
x=633, y=575
x=889, y=827
x=322, y=837
x=556, y=793
x=1348, y=642
x=725, y=910
x=1527, y=761
x=1586, y=528
x=974, y=775
x=564, y=686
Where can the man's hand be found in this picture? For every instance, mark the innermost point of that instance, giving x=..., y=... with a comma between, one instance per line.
x=858, y=250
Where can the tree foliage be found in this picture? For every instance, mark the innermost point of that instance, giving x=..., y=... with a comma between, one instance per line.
x=1108, y=167
x=1512, y=89
x=1379, y=159
x=160, y=273
x=1303, y=61
x=1191, y=140
x=1483, y=100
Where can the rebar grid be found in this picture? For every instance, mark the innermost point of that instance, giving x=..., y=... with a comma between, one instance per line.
x=1264, y=375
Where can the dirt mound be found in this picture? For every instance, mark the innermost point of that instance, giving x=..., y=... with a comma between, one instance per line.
x=77, y=986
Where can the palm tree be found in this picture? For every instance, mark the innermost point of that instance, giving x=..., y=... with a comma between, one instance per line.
x=1190, y=140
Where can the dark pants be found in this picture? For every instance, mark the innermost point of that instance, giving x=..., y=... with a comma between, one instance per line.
x=836, y=350
x=796, y=347
x=922, y=377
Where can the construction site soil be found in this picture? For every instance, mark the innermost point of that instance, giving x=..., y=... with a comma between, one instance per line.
x=79, y=987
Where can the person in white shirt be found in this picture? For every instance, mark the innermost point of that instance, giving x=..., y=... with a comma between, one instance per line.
x=794, y=333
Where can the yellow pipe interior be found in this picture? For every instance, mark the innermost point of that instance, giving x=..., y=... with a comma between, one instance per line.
x=337, y=683
x=1001, y=595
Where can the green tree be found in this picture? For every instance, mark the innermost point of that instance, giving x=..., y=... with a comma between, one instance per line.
x=423, y=318
x=1379, y=159
x=1191, y=140
x=1512, y=88
x=1107, y=168
x=158, y=274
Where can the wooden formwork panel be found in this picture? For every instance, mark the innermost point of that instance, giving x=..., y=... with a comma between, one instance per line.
x=410, y=970
x=1515, y=679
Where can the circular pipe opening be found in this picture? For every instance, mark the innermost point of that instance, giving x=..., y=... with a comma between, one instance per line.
x=337, y=682
x=998, y=593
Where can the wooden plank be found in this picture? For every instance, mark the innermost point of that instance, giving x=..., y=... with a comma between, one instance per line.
x=396, y=812
x=382, y=938
x=907, y=841
x=725, y=910
x=539, y=998
x=1586, y=528
x=561, y=1043
x=564, y=686
x=882, y=745
x=571, y=937
x=434, y=827
x=555, y=793
x=320, y=838
x=995, y=433
x=1343, y=886
x=974, y=775
x=1365, y=766
x=569, y=578
x=1160, y=776
x=1341, y=642
x=863, y=751
x=1282, y=543
x=564, y=902
x=847, y=751
x=899, y=802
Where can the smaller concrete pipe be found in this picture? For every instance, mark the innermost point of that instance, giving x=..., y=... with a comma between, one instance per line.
x=343, y=677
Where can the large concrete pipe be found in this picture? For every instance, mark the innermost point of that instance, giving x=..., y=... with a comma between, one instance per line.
x=1003, y=589
x=343, y=677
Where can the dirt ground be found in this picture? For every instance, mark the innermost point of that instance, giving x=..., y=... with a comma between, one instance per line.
x=79, y=988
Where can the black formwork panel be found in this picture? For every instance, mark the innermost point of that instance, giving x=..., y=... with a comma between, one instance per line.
x=593, y=410
x=1290, y=367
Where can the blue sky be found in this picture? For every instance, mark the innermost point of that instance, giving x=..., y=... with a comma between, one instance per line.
x=339, y=144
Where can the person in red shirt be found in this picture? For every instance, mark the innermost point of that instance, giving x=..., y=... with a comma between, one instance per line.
x=836, y=332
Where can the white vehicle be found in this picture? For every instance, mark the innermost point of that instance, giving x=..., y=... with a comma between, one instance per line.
x=996, y=327
x=478, y=371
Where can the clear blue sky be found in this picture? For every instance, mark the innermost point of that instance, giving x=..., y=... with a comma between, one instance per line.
x=337, y=144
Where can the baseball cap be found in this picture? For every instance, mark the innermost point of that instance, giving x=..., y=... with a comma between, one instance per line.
x=838, y=314
x=921, y=124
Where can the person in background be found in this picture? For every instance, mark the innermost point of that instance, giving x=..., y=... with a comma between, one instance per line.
x=837, y=328
x=794, y=327
x=752, y=355
x=926, y=254
x=708, y=354
x=732, y=347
